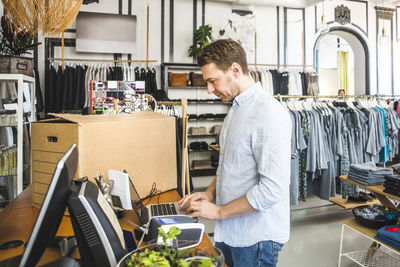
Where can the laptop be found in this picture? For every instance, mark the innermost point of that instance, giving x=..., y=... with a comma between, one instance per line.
x=145, y=213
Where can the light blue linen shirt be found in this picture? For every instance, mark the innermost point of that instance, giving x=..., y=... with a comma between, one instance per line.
x=254, y=161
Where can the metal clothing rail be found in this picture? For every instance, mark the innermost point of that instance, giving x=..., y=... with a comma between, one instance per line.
x=333, y=96
x=185, y=177
x=177, y=102
x=102, y=60
x=280, y=65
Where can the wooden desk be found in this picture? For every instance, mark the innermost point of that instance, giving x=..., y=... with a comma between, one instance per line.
x=19, y=217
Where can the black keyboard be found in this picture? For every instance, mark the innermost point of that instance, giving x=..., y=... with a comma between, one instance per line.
x=163, y=209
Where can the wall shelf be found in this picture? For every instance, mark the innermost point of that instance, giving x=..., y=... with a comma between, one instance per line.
x=203, y=172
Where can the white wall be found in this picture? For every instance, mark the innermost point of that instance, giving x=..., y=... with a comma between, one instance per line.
x=216, y=14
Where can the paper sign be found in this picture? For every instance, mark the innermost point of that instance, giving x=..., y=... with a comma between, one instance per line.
x=121, y=187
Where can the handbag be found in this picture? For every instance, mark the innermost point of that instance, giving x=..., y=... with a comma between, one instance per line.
x=196, y=79
x=177, y=79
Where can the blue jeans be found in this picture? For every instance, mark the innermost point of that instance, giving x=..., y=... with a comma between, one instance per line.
x=262, y=254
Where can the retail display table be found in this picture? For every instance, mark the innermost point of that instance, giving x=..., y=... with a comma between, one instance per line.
x=371, y=256
x=18, y=219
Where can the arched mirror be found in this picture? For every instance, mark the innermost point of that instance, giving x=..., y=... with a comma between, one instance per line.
x=335, y=63
x=342, y=60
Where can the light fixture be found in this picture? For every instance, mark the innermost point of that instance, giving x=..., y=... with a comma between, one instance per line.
x=323, y=27
x=384, y=37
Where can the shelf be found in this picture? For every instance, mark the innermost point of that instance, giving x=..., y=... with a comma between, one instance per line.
x=372, y=188
x=201, y=135
x=208, y=101
x=208, y=150
x=215, y=147
x=206, y=119
x=350, y=205
x=372, y=258
x=203, y=172
x=368, y=232
x=187, y=87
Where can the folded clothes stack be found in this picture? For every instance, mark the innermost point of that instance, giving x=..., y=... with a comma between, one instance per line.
x=392, y=185
x=389, y=235
x=368, y=174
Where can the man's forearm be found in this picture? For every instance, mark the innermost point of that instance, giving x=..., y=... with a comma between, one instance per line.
x=211, y=189
x=235, y=208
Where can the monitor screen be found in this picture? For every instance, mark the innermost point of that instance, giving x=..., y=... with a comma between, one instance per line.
x=53, y=207
x=105, y=33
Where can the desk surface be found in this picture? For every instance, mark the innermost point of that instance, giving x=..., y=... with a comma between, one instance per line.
x=18, y=218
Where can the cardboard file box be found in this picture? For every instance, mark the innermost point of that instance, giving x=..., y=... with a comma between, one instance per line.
x=143, y=144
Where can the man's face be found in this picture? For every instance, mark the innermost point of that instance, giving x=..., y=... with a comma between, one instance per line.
x=220, y=83
x=341, y=93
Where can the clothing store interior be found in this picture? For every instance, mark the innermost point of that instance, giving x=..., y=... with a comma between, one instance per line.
x=106, y=122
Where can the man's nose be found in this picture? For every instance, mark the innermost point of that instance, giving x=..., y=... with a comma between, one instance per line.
x=210, y=88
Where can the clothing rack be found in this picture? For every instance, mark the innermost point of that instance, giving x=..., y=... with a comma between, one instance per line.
x=185, y=178
x=281, y=65
x=102, y=60
x=332, y=96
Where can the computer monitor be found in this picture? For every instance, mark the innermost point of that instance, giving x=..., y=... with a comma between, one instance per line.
x=97, y=231
x=52, y=210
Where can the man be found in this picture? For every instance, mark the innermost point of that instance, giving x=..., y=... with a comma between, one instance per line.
x=341, y=94
x=251, y=186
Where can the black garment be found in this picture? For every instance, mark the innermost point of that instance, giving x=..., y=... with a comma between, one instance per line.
x=51, y=90
x=38, y=92
x=59, y=91
x=284, y=83
x=303, y=83
x=276, y=81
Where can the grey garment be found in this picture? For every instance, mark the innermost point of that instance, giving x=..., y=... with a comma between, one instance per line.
x=298, y=145
x=87, y=79
x=370, y=167
x=324, y=184
x=294, y=165
x=8, y=92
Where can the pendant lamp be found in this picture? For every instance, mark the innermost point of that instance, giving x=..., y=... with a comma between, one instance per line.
x=323, y=27
x=50, y=17
x=384, y=37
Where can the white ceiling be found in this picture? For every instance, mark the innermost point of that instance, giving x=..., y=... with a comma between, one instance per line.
x=299, y=3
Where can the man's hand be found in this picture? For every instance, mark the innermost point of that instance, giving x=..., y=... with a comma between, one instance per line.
x=195, y=197
x=205, y=209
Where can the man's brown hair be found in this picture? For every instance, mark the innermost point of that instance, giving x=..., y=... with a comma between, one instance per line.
x=223, y=53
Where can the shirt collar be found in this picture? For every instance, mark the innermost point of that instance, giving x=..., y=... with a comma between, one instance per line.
x=246, y=94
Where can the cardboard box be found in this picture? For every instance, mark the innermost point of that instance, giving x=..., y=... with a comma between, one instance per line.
x=143, y=144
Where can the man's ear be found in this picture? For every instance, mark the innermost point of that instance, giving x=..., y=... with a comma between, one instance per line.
x=236, y=69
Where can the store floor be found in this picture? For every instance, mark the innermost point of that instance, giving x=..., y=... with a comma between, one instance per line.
x=314, y=241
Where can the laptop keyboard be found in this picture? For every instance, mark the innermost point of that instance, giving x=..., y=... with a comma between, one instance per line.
x=163, y=209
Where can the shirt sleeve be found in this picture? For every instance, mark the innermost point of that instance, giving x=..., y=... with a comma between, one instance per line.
x=271, y=146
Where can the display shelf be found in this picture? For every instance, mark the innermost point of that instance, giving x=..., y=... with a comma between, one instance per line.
x=187, y=87
x=203, y=150
x=203, y=172
x=215, y=147
x=378, y=190
x=20, y=79
x=370, y=234
x=350, y=205
x=372, y=258
x=209, y=101
x=206, y=119
x=201, y=135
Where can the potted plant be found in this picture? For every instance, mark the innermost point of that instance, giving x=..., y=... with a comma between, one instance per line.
x=202, y=37
x=167, y=254
x=12, y=46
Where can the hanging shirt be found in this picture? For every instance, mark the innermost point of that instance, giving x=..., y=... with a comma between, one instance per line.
x=254, y=161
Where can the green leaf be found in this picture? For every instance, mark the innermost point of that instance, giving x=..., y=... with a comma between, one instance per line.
x=221, y=32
